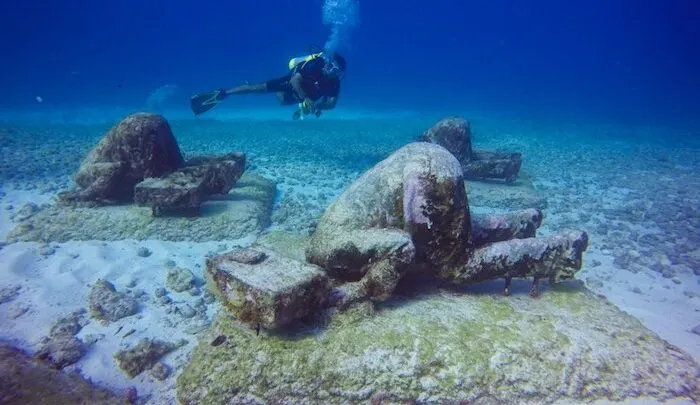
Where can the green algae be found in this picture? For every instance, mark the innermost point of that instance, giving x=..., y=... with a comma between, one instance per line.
x=356, y=352
x=569, y=344
x=438, y=348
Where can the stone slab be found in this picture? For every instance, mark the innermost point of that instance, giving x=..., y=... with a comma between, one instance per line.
x=243, y=211
x=264, y=289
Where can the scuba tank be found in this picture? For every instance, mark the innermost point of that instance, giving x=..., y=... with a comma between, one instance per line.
x=315, y=51
x=300, y=61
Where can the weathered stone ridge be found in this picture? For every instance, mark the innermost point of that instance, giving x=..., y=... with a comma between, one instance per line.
x=484, y=350
x=245, y=210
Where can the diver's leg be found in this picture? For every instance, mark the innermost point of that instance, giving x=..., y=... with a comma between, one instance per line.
x=271, y=86
x=287, y=98
x=247, y=89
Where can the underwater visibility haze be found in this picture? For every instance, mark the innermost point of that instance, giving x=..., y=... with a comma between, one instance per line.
x=350, y=202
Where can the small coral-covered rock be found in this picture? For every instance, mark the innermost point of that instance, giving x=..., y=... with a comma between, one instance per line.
x=140, y=146
x=144, y=355
x=61, y=348
x=107, y=304
x=179, y=279
x=271, y=291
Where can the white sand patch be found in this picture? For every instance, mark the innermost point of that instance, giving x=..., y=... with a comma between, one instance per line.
x=54, y=285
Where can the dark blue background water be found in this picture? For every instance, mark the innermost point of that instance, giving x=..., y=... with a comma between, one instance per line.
x=617, y=60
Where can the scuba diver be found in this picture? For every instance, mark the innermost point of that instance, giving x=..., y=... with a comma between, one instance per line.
x=313, y=84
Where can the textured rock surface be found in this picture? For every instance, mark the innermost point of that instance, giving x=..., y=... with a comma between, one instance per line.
x=218, y=173
x=496, y=228
x=26, y=382
x=60, y=351
x=61, y=348
x=410, y=207
x=179, y=279
x=244, y=210
x=453, y=134
x=265, y=289
x=184, y=190
x=520, y=194
x=107, y=304
x=174, y=193
x=557, y=257
x=143, y=356
x=568, y=345
x=493, y=165
x=140, y=146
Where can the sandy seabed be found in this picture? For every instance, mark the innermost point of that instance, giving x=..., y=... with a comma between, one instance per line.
x=634, y=190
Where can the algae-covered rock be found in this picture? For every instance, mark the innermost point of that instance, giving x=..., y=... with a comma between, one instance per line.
x=141, y=145
x=445, y=348
x=61, y=348
x=183, y=190
x=107, y=304
x=265, y=289
x=453, y=134
x=143, y=356
x=411, y=206
x=218, y=173
x=60, y=351
x=244, y=210
x=175, y=193
x=496, y=228
x=179, y=279
x=25, y=382
x=520, y=194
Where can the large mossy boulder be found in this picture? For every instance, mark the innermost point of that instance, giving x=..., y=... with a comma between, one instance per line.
x=445, y=348
x=140, y=146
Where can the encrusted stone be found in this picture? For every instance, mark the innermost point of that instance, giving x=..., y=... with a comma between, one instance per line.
x=272, y=293
x=107, y=304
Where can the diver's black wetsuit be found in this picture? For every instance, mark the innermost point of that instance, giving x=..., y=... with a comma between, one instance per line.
x=314, y=83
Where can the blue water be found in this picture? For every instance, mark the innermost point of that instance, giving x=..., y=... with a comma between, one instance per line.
x=601, y=98
x=599, y=60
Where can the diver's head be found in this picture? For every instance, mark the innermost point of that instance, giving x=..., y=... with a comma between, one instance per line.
x=335, y=66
